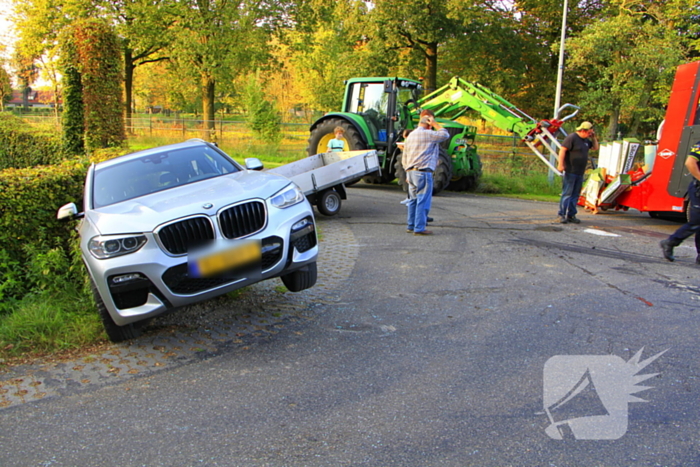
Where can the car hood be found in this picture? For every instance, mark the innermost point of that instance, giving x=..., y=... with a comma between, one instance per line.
x=145, y=213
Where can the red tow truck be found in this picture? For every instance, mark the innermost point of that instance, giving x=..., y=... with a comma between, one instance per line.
x=662, y=190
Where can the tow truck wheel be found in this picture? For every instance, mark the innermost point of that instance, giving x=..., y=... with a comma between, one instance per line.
x=443, y=172
x=329, y=203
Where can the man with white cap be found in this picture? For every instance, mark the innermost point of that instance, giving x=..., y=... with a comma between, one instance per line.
x=573, y=160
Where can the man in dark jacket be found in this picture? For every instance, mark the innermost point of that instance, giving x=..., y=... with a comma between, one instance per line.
x=692, y=163
x=573, y=159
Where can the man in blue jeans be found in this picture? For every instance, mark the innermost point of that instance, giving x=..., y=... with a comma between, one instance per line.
x=573, y=159
x=420, y=157
x=692, y=227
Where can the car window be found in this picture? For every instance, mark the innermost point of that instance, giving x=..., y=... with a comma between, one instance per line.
x=157, y=172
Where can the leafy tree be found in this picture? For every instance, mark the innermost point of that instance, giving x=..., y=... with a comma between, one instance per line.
x=216, y=40
x=261, y=113
x=626, y=64
x=5, y=87
x=418, y=27
x=91, y=58
x=144, y=27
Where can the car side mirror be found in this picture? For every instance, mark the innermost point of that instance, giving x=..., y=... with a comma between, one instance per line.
x=67, y=211
x=253, y=163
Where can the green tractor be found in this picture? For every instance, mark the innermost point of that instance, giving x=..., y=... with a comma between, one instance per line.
x=375, y=113
x=377, y=110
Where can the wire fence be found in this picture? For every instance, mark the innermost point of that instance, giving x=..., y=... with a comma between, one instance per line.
x=500, y=154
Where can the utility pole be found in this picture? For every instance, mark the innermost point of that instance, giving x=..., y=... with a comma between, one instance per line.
x=560, y=78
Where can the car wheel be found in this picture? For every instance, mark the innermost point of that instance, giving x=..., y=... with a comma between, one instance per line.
x=115, y=332
x=329, y=203
x=300, y=279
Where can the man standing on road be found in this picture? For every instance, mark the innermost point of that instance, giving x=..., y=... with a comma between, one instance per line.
x=692, y=163
x=420, y=158
x=573, y=159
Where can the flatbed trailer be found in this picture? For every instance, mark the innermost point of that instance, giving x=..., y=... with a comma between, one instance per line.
x=322, y=177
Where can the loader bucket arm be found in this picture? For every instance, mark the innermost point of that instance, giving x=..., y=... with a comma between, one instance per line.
x=459, y=96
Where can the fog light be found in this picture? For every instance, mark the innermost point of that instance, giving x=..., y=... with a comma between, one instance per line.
x=301, y=224
x=125, y=278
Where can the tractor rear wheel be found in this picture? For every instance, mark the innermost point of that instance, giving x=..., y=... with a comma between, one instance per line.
x=441, y=176
x=400, y=174
x=443, y=172
x=325, y=131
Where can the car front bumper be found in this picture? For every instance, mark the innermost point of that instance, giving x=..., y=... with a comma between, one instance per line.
x=148, y=282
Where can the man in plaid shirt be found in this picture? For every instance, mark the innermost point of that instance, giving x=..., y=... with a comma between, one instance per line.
x=420, y=158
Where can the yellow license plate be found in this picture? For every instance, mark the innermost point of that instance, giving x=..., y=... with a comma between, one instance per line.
x=241, y=256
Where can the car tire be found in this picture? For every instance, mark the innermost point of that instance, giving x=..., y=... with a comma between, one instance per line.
x=115, y=332
x=329, y=203
x=300, y=279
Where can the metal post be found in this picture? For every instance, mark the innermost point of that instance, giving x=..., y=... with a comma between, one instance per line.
x=560, y=77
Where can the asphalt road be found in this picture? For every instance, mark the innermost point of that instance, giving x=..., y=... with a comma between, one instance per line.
x=434, y=351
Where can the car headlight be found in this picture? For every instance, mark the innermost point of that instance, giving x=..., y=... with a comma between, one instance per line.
x=109, y=247
x=289, y=196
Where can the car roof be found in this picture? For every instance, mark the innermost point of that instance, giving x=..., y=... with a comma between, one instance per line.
x=138, y=154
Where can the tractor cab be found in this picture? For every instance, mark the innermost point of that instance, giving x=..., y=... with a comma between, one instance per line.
x=383, y=104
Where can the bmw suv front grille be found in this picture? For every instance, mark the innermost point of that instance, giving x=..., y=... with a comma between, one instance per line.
x=242, y=219
x=177, y=237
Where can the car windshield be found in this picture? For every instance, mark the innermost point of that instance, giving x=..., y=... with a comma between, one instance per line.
x=157, y=172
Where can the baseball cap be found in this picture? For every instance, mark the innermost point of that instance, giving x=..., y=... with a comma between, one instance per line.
x=584, y=126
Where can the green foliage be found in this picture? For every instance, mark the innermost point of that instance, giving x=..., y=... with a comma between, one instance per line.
x=29, y=199
x=99, y=56
x=91, y=64
x=58, y=313
x=23, y=146
x=262, y=115
x=618, y=62
x=533, y=186
x=72, y=116
x=5, y=87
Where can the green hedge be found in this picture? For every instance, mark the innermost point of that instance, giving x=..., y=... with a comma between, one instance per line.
x=22, y=145
x=29, y=200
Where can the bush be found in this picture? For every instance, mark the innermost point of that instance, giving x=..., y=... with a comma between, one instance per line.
x=58, y=313
x=24, y=146
x=29, y=199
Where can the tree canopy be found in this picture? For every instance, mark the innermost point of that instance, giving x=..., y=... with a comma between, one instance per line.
x=620, y=54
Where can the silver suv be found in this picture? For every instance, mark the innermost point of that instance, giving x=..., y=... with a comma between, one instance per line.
x=179, y=224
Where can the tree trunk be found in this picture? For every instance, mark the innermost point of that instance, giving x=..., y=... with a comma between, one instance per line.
x=611, y=133
x=128, y=86
x=642, y=104
x=431, y=60
x=208, y=110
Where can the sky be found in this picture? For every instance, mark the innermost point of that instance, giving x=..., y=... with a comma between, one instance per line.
x=6, y=37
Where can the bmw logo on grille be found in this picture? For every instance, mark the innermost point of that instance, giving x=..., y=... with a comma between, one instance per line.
x=207, y=206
